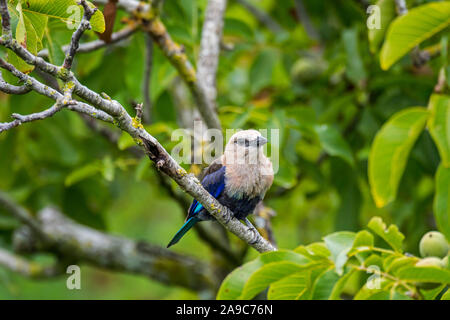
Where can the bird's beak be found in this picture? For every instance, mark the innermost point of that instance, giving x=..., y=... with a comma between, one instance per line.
x=262, y=141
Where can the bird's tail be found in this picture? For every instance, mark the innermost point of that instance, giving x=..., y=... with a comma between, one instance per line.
x=185, y=228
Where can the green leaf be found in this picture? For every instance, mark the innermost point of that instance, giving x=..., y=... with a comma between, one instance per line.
x=433, y=293
x=409, y=30
x=398, y=263
x=439, y=125
x=29, y=30
x=125, y=141
x=390, y=151
x=233, y=285
x=261, y=70
x=425, y=274
x=340, y=285
x=344, y=178
x=314, y=251
x=441, y=200
x=292, y=287
x=391, y=235
x=55, y=52
x=355, y=67
x=334, y=144
x=387, y=14
x=271, y=273
x=363, y=239
x=339, y=244
x=362, y=245
x=108, y=169
x=298, y=286
x=67, y=11
x=446, y=295
x=142, y=168
x=374, y=260
x=324, y=285
x=82, y=173
x=368, y=293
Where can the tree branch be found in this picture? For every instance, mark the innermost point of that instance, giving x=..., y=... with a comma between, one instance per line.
x=26, y=268
x=208, y=58
x=76, y=37
x=305, y=20
x=6, y=19
x=10, y=89
x=83, y=244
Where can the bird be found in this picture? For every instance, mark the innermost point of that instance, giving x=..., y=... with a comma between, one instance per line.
x=239, y=180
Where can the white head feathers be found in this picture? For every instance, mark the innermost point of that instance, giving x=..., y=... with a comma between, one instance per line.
x=248, y=171
x=245, y=147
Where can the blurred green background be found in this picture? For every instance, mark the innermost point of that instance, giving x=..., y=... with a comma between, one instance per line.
x=321, y=86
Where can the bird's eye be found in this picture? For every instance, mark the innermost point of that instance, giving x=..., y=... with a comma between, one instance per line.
x=247, y=143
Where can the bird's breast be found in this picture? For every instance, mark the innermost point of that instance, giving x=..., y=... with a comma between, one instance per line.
x=246, y=181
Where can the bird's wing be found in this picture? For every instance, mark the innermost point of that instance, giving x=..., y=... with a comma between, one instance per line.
x=213, y=167
x=213, y=182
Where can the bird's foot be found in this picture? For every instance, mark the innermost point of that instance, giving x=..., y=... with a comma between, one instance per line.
x=255, y=232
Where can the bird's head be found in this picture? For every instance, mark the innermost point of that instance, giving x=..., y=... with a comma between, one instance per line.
x=245, y=145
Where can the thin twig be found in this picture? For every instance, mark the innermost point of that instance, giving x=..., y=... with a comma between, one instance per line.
x=6, y=19
x=84, y=25
x=87, y=47
x=139, y=112
x=305, y=20
x=62, y=101
x=11, y=89
x=146, y=82
x=261, y=16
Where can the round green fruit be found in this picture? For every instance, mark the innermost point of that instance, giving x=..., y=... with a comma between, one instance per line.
x=308, y=69
x=445, y=263
x=430, y=262
x=433, y=244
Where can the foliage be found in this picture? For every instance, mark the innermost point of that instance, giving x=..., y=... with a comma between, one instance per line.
x=30, y=20
x=362, y=135
x=344, y=264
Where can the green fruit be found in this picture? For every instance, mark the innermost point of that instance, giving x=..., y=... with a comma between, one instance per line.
x=429, y=262
x=308, y=69
x=433, y=244
x=445, y=263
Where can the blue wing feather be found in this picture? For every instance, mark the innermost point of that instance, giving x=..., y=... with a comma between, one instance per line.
x=214, y=183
